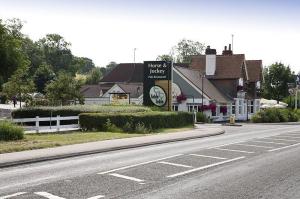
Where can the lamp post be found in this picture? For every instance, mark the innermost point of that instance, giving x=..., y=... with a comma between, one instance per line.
x=202, y=77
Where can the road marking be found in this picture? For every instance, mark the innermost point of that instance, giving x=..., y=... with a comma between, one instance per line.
x=126, y=177
x=135, y=165
x=270, y=142
x=174, y=164
x=204, y=167
x=97, y=197
x=283, y=136
x=208, y=156
x=234, y=150
x=284, y=147
x=48, y=195
x=252, y=145
x=278, y=139
x=12, y=195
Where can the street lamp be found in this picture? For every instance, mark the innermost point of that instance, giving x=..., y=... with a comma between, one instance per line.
x=202, y=82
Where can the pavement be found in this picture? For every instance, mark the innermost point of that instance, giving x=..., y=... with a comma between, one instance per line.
x=39, y=155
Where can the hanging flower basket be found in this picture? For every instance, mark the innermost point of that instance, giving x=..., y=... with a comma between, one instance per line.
x=181, y=98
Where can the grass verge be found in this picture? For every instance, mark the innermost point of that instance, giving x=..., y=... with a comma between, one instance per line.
x=39, y=141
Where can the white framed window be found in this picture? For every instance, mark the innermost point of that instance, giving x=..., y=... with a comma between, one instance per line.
x=232, y=108
x=240, y=107
x=251, y=106
x=175, y=107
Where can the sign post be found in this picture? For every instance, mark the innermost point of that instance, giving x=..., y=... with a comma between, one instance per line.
x=158, y=84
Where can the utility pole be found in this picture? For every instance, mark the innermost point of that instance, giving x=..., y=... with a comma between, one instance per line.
x=134, y=55
x=296, y=98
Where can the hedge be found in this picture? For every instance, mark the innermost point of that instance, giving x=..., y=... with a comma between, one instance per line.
x=10, y=131
x=274, y=115
x=201, y=117
x=32, y=112
x=151, y=120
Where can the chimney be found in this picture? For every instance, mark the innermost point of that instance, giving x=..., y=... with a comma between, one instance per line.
x=210, y=61
x=227, y=52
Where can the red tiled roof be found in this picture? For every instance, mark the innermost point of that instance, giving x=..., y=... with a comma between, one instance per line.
x=254, y=68
x=227, y=66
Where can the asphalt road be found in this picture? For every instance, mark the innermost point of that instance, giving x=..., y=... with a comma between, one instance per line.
x=253, y=161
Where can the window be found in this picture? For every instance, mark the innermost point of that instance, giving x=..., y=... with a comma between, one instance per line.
x=191, y=108
x=240, y=107
x=251, y=106
x=233, y=108
x=175, y=107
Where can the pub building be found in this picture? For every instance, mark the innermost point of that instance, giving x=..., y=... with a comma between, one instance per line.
x=219, y=85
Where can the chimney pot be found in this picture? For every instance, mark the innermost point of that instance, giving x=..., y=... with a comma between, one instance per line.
x=229, y=46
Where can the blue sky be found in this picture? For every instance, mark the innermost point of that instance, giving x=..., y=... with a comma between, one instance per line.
x=109, y=30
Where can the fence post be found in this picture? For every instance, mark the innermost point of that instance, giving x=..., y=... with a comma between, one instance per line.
x=57, y=123
x=37, y=124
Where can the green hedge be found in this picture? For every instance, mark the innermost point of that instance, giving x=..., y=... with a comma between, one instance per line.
x=150, y=120
x=274, y=115
x=10, y=131
x=201, y=117
x=32, y=112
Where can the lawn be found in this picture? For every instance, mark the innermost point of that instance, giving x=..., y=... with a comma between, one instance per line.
x=39, y=141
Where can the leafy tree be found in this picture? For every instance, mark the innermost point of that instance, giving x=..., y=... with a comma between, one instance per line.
x=57, y=53
x=20, y=84
x=33, y=53
x=83, y=65
x=164, y=58
x=43, y=75
x=276, y=79
x=64, y=89
x=11, y=55
x=187, y=48
x=94, y=76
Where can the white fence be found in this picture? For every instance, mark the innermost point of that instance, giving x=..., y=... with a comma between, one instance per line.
x=58, y=127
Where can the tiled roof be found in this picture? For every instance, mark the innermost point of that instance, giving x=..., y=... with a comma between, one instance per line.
x=227, y=66
x=128, y=72
x=209, y=89
x=254, y=68
x=90, y=90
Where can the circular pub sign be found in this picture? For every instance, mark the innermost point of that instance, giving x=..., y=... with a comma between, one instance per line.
x=158, y=96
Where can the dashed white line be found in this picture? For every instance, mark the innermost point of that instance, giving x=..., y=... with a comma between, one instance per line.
x=233, y=150
x=12, y=195
x=279, y=143
x=284, y=147
x=279, y=139
x=204, y=167
x=135, y=165
x=174, y=164
x=258, y=146
x=48, y=195
x=208, y=156
x=97, y=197
x=126, y=177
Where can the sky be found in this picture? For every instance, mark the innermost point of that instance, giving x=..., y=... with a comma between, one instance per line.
x=109, y=30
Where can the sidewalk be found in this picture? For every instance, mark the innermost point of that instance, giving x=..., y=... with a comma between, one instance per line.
x=25, y=157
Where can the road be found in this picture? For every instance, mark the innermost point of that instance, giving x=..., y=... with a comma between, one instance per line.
x=252, y=161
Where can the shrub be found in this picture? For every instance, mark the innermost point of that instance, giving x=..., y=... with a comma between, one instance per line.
x=32, y=112
x=140, y=128
x=201, y=117
x=275, y=115
x=150, y=120
x=10, y=131
x=110, y=127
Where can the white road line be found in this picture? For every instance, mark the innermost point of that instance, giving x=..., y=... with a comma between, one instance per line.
x=234, y=150
x=12, y=195
x=270, y=142
x=48, y=195
x=177, y=165
x=97, y=197
x=126, y=177
x=258, y=146
x=278, y=139
x=284, y=147
x=208, y=156
x=284, y=136
x=143, y=163
x=204, y=167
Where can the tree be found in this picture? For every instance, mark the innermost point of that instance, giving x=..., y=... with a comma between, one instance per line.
x=11, y=54
x=276, y=79
x=57, y=53
x=64, y=89
x=187, y=48
x=164, y=58
x=83, y=65
x=94, y=76
x=43, y=75
x=20, y=84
